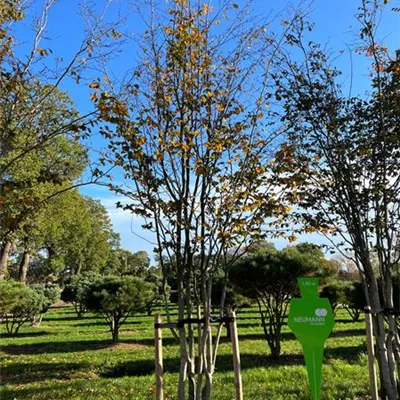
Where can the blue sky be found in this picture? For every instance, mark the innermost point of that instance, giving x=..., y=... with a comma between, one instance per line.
x=335, y=26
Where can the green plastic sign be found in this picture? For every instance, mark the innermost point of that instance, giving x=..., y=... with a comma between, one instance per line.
x=311, y=320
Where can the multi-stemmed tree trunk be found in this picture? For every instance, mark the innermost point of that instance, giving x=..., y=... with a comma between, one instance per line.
x=190, y=139
x=341, y=164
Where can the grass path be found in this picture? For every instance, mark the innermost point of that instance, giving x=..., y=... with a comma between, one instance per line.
x=73, y=359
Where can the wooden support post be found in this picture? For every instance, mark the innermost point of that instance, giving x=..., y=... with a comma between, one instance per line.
x=158, y=356
x=371, y=353
x=236, y=358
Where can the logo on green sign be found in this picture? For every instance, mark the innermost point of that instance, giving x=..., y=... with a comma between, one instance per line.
x=311, y=320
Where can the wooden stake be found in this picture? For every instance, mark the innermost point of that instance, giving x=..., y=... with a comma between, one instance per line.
x=158, y=356
x=236, y=358
x=371, y=353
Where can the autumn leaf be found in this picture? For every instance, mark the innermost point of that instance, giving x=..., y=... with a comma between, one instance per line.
x=115, y=34
x=42, y=52
x=94, y=85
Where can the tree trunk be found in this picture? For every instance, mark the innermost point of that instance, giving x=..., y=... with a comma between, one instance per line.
x=37, y=321
x=5, y=252
x=23, y=266
x=79, y=267
x=276, y=352
x=387, y=373
x=114, y=330
x=228, y=330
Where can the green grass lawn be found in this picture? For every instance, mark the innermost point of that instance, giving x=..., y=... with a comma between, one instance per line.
x=69, y=358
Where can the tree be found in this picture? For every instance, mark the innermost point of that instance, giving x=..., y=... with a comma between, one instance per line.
x=77, y=236
x=336, y=293
x=75, y=292
x=19, y=304
x=344, y=173
x=116, y=298
x=233, y=300
x=189, y=136
x=355, y=299
x=160, y=291
x=50, y=294
x=32, y=179
x=270, y=278
x=124, y=262
x=37, y=120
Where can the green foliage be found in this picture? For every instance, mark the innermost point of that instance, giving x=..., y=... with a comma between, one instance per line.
x=355, y=299
x=50, y=292
x=311, y=257
x=19, y=304
x=77, y=235
x=29, y=179
x=336, y=293
x=124, y=262
x=159, y=292
x=234, y=300
x=270, y=278
x=115, y=298
x=75, y=292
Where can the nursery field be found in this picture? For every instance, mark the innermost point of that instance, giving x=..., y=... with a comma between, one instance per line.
x=70, y=358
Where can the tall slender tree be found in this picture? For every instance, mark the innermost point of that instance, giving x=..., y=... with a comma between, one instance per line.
x=341, y=164
x=190, y=137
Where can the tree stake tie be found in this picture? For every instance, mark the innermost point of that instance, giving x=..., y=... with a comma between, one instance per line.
x=311, y=320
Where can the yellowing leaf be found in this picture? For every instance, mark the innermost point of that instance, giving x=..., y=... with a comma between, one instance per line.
x=292, y=238
x=94, y=85
x=115, y=34
x=141, y=140
x=42, y=52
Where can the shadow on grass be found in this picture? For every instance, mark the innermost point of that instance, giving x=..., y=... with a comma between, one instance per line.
x=347, y=321
x=27, y=393
x=290, y=335
x=102, y=323
x=171, y=365
x=33, y=372
x=21, y=373
x=72, y=318
x=348, y=332
x=260, y=336
x=91, y=345
x=248, y=325
x=224, y=362
x=27, y=334
x=75, y=346
x=56, y=347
